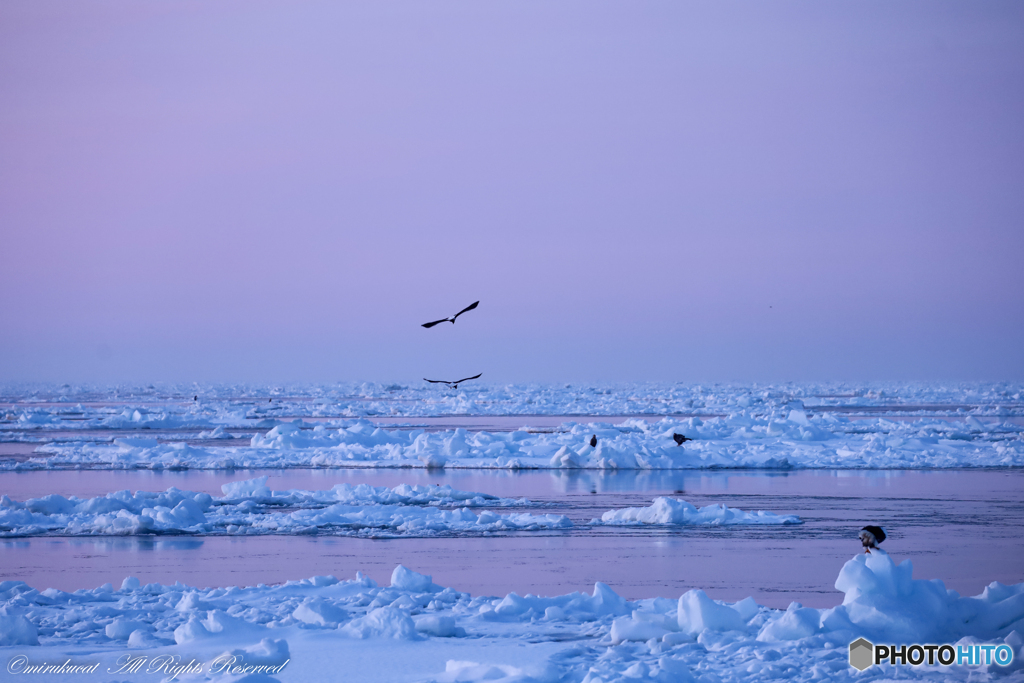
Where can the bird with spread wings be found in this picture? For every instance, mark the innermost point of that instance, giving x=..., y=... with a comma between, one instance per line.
x=452, y=385
x=452, y=319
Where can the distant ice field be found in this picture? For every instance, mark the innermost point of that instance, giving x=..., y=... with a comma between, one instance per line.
x=846, y=426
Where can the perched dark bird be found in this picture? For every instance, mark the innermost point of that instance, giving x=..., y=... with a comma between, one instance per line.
x=195, y=398
x=871, y=536
x=452, y=319
x=593, y=441
x=452, y=385
x=680, y=439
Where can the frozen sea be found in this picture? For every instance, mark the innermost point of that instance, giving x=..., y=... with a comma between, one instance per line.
x=496, y=491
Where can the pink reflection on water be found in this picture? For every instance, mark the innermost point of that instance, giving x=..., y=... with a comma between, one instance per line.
x=774, y=565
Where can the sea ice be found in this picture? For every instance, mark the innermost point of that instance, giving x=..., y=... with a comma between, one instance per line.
x=249, y=507
x=732, y=426
x=598, y=636
x=673, y=511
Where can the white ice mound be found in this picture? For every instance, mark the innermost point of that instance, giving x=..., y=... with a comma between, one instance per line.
x=697, y=612
x=383, y=622
x=678, y=512
x=408, y=580
x=884, y=602
x=318, y=612
x=15, y=629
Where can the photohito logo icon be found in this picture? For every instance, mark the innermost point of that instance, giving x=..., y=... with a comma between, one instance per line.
x=862, y=654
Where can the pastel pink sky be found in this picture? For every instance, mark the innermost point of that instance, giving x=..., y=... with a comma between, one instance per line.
x=679, y=191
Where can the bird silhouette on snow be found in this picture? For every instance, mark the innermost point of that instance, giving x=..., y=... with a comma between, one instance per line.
x=451, y=385
x=452, y=319
x=680, y=439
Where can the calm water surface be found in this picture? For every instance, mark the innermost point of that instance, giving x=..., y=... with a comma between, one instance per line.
x=963, y=527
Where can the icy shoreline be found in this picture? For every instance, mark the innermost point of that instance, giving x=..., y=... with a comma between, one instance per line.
x=589, y=637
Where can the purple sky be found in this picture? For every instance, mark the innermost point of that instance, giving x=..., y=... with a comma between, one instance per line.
x=679, y=191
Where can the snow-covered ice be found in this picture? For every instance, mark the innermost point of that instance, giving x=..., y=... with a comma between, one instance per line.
x=249, y=507
x=737, y=441
x=314, y=626
x=732, y=426
x=672, y=511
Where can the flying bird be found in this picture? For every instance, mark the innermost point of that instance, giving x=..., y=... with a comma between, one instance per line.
x=680, y=439
x=451, y=385
x=593, y=441
x=871, y=536
x=452, y=319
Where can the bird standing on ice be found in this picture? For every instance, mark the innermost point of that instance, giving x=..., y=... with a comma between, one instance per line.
x=593, y=441
x=452, y=319
x=871, y=536
x=680, y=439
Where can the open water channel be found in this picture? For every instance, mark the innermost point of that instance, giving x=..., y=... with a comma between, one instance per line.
x=965, y=527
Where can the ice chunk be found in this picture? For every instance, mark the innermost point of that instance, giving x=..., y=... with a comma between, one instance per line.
x=676, y=669
x=442, y=626
x=698, y=612
x=679, y=512
x=190, y=602
x=191, y=630
x=17, y=630
x=318, y=612
x=383, y=622
x=632, y=628
x=250, y=488
x=796, y=623
x=607, y=601
x=408, y=580
x=120, y=628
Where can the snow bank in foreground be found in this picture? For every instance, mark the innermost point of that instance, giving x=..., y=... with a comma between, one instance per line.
x=678, y=512
x=597, y=636
x=248, y=507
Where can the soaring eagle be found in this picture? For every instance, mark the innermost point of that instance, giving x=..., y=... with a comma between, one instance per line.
x=452, y=385
x=452, y=319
